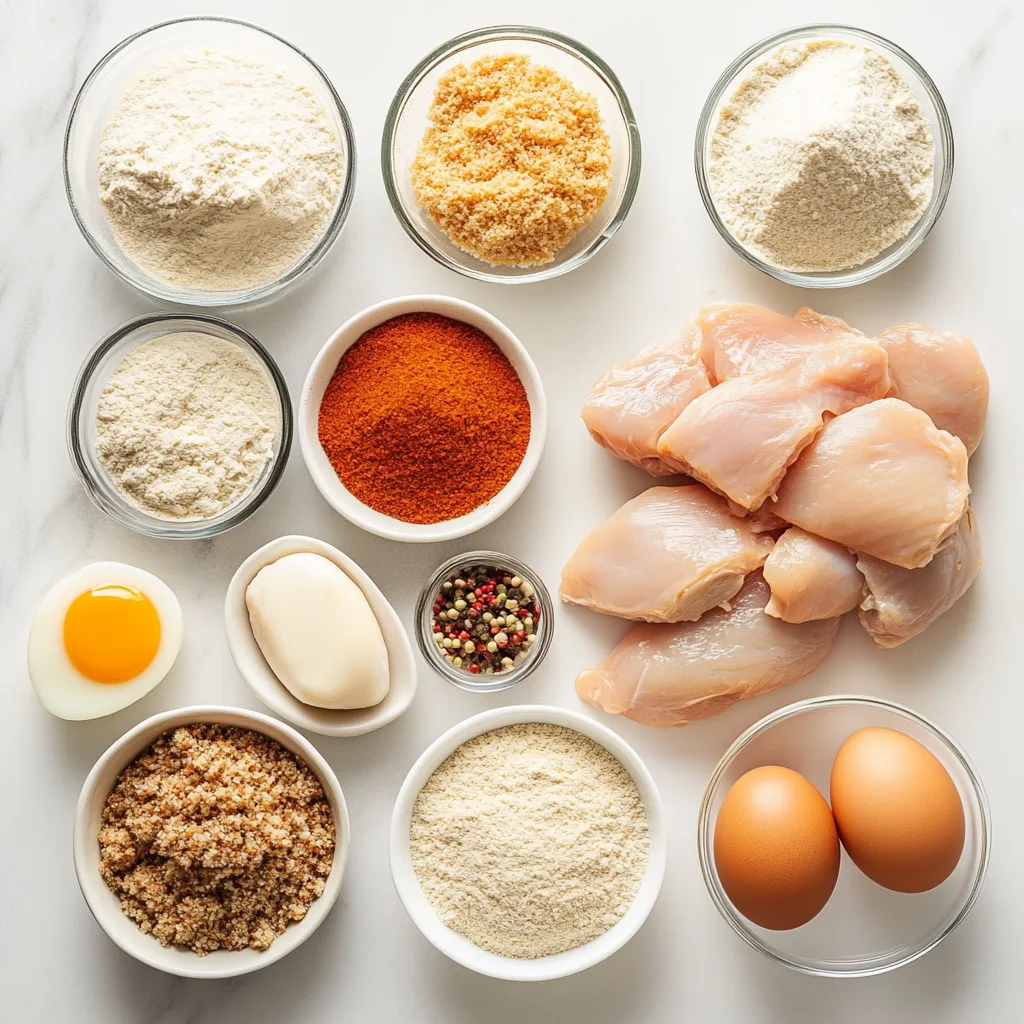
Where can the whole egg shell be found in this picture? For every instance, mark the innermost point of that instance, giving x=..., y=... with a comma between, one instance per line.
x=899, y=814
x=776, y=848
x=61, y=688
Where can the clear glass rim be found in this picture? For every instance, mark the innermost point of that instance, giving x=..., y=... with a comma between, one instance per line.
x=722, y=902
x=428, y=646
x=137, y=519
x=267, y=288
x=904, y=248
x=463, y=41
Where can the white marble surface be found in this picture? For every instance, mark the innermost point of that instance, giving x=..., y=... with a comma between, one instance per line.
x=368, y=963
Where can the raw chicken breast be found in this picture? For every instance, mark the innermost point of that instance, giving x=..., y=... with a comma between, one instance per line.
x=824, y=321
x=674, y=674
x=741, y=339
x=811, y=578
x=881, y=479
x=761, y=520
x=904, y=602
x=669, y=554
x=740, y=437
x=942, y=375
x=629, y=408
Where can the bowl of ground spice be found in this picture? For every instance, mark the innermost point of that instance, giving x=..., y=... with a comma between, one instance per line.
x=423, y=418
x=511, y=154
x=528, y=843
x=210, y=841
x=179, y=425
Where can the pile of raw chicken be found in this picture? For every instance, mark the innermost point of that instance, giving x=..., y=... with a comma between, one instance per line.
x=828, y=472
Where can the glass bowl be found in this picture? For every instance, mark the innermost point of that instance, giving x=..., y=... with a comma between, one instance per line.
x=923, y=88
x=423, y=624
x=407, y=120
x=864, y=929
x=81, y=425
x=103, y=88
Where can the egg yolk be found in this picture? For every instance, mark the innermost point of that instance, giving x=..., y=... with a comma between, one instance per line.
x=111, y=633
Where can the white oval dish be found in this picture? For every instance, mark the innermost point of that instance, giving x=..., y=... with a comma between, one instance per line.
x=106, y=908
x=320, y=373
x=459, y=948
x=258, y=674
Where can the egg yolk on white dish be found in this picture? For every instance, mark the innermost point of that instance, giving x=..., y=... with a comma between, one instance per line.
x=101, y=639
x=111, y=633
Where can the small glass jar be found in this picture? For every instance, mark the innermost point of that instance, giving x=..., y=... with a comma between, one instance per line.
x=432, y=652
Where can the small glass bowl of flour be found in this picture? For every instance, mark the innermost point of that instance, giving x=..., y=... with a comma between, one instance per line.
x=824, y=155
x=179, y=425
x=209, y=162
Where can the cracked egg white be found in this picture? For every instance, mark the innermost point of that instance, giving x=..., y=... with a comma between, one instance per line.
x=101, y=639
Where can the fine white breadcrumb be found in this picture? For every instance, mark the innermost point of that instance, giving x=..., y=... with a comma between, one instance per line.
x=822, y=158
x=186, y=425
x=530, y=840
x=217, y=171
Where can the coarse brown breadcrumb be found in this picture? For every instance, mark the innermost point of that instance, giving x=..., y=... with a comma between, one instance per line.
x=216, y=837
x=514, y=162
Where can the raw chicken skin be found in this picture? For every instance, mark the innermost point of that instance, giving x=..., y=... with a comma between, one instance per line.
x=669, y=675
x=741, y=339
x=811, y=578
x=629, y=408
x=881, y=479
x=668, y=555
x=942, y=375
x=740, y=437
x=904, y=602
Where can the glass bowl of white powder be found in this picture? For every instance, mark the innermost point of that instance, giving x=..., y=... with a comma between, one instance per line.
x=824, y=155
x=209, y=162
x=179, y=425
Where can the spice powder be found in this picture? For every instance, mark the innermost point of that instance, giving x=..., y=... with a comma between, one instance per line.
x=424, y=419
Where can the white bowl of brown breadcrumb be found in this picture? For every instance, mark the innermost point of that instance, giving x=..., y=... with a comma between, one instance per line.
x=224, y=833
x=511, y=154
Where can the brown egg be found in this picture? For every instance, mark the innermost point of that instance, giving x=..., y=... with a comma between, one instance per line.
x=776, y=848
x=898, y=812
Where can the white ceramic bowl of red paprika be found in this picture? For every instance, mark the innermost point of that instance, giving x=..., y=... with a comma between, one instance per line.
x=319, y=376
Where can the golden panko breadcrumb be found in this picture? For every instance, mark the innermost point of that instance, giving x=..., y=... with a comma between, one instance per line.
x=514, y=162
x=216, y=837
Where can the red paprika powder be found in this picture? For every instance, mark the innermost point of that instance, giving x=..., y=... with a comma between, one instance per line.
x=424, y=419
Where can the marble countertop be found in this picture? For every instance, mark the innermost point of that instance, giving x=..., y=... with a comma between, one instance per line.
x=368, y=962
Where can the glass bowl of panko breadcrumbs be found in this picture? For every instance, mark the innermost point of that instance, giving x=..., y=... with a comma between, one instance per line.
x=511, y=154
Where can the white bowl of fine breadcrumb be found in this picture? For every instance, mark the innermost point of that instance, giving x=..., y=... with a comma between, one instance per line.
x=239, y=810
x=528, y=843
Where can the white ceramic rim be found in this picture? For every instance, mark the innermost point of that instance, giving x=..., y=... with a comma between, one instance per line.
x=259, y=676
x=103, y=904
x=321, y=371
x=460, y=949
x=722, y=903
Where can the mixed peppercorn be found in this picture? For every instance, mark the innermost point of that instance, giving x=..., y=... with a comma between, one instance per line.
x=485, y=620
